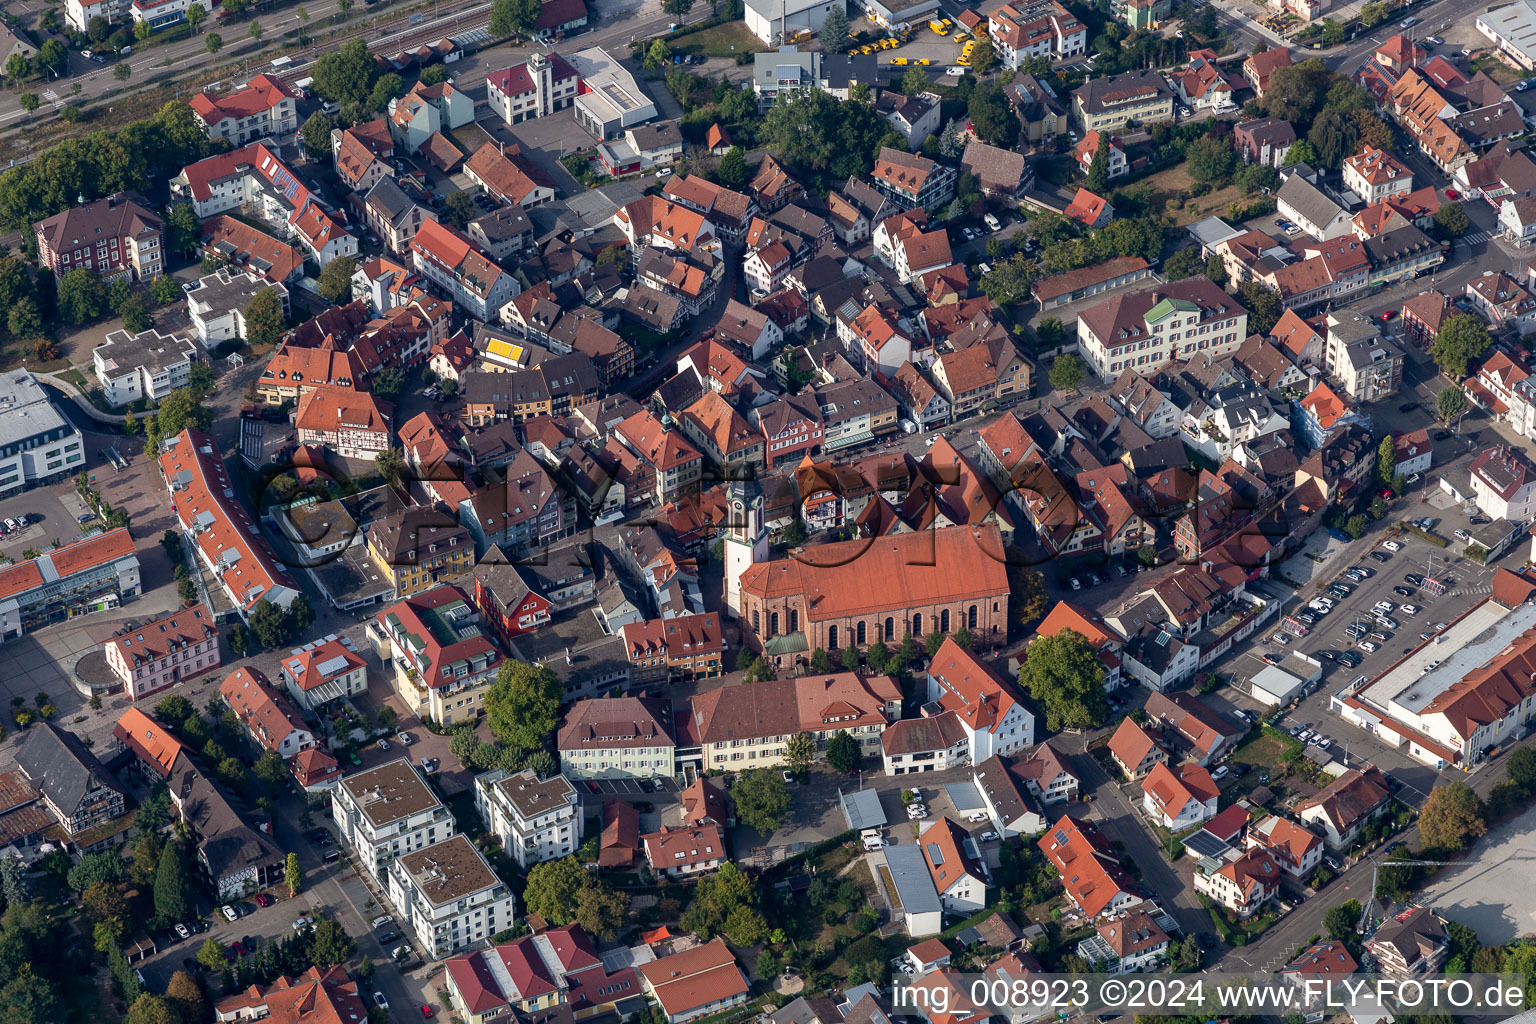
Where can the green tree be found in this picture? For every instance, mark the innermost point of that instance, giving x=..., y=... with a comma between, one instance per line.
x=153, y=1009
x=1452, y=817
x=293, y=875
x=103, y=867
x=745, y=926
x=1521, y=768
x=272, y=770
x=29, y=101
x=1462, y=339
x=850, y=659
x=1209, y=159
x=183, y=990
x=992, y=116
x=31, y=998
x=821, y=662
x=164, y=291
x=1340, y=921
x=1186, y=262
x=255, y=30
x=391, y=464
x=834, y=31
x=1067, y=372
x=195, y=15
x=600, y=910
x=933, y=642
x=1356, y=526
x=25, y=320
x=762, y=800
x=1098, y=167
x=1386, y=461
x=81, y=296
x=659, y=55
x=523, y=705
x=1450, y=403
x=335, y=282
x=800, y=751
x=732, y=172
x=1452, y=220
x=135, y=315
x=1263, y=304
x=984, y=55
x=268, y=624
x=388, y=87
x=332, y=945
x=345, y=75
x=264, y=323
x=173, y=887
x=213, y=42
x=843, y=753
x=677, y=8
x=122, y=72
x=914, y=82
x=1333, y=135
x=512, y=17
x=142, y=31
x=434, y=74
x=388, y=384
x=553, y=889
x=316, y=134
x=1064, y=676
x=716, y=896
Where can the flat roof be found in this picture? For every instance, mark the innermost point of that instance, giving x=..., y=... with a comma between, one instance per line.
x=25, y=411
x=862, y=809
x=449, y=871
x=1439, y=663
x=390, y=792
x=914, y=884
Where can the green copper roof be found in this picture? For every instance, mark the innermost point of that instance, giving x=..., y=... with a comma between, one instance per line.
x=1166, y=306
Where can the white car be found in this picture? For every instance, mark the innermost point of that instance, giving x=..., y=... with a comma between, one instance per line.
x=976, y=817
x=1463, y=535
x=182, y=931
x=380, y=1001
x=987, y=837
x=229, y=913
x=916, y=811
x=1305, y=735
x=1385, y=622
x=955, y=72
x=1391, y=545
x=1323, y=742
x=1367, y=646
x=1383, y=606
x=1220, y=772
x=1409, y=609
x=1281, y=639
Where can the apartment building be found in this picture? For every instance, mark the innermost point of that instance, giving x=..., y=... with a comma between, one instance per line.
x=556, y=967
x=990, y=709
x=1025, y=29
x=216, y=305
x=262, y=108
x=420, y=547
x=1168, y=322
x=388, y=811
x=1374, y=175
x=1109, y=104
x=448, y=258
x=1298, y=850
x=442, y=661
x=679, y=647
x=448, y=898
x=164, y=651
x=353, y=424
x=1346, y=805
x=1242, y=885
x=1504, y=484
x=618, y=737
x=115, y=237
x=323, y=671
x=913, y=181
x=536, y=819
x=674, y=465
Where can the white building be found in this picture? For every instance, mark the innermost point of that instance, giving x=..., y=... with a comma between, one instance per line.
x=617, y=737
x=1346, y=805
x=537, y=820
x=1179, y=798
x=38, y=444
x=612, y=100
x=766, y=18
x=1374, y=174
x=78, y=13
x=216, y=305
x=164, y=651
x=1512, y=28
x=448, y=898
x=1504, y=484
x=163, y=13
x=953, y=862
x=262, y=108
x=1243, y=885
x=324, y=671
x=385, y=812
x=995, y=720
x=1298, y=850
x=544, y=84
x=1126, y=944
x=149, y=365
x=1171, y=321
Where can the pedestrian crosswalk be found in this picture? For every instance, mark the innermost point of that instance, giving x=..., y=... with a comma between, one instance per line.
x=1474, y=238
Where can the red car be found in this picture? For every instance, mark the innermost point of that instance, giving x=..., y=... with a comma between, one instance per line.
x=1451, y=193
x=263, y=900
x=1387, y=492
x=427, y=1012
x=1388, y=315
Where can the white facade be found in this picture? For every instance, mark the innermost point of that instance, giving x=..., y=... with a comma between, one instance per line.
x=78, y=13
x=323, y=672
x=148, y=365
x=448, y=897
x=217, y=305
x=166, y=12
x=536, y=820
x=388, y=811
x=37, y=442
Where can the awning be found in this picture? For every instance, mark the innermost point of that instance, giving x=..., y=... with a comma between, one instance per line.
x=851, y=439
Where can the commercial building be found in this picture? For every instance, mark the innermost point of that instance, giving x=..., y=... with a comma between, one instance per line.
x=1109, y=104
x=115, y=237
x=228, y=542
x=542, y=85
x=448, y=897
x=1504, y=484
x=420, y=547
x=388, y=811
x=789, y=70
x=353, y=424
x=536, y=819
x=1512, y=28
x=323, y=671
x=262, y=108
x=93, y=574
x=164, y=651
x=217, y=305
x=767, y=19
x=610, y=100
x=442, y=661
x=38, y=443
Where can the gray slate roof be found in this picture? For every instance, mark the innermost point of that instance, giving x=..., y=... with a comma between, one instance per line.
x=60, y=767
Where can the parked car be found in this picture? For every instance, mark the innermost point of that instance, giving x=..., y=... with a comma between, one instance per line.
x=1391, y=545
x=1403, y=591
x=1479, y=520
x=229, y=913
x=404, y=738
x=429, y=764
x=380, y=1001
x=1409, y=609
x=1221, y=772
x=988, y=837
x=182, y=932
x=1367, y=647
x=1441, y=435
x=1381, y=556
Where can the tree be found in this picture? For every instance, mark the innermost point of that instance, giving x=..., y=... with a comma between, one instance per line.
x=599, y=909
x=1452, y=220
x=715, y=897
x=745, y=926
x=264, y=318
x=153, y=1009
x=732, y=173
x=1184, y=263
x=850, y=659
x=509, y=17
x=391, y=464
x=1521, y=768
x=1340, y=921
x=1067, y=372
x=434, y=74
x=992, y=117
x=677, y=8
x=142, y=31
x=183, y=990
x=762, y=800
x=932, y=642
x=1209, y=159
x=1386, y=461
x=984, y=55
x=1452, y=817
x=173, y=889
x=1296, y=93
x=81, y=296
x=345, y=75
x=1450, y=403
x=31, y=998
x=255, y=30
x=523, y=705
x=14, y=885
x=122, y=72
x=1065, y=677
x=332, y=945
x=388, y=87
x=164, y=291
x=389, y=383
x=821, y=662
x=843, y=753
x=1098, y=167
x=316, y=134
x=70, y=114
x=553, y=888
x=1356, y=526
x=800, y=751
x=29, y=101
x=103, y=867
x=135, y=314
x=1030, y=595
x=336, y=279
x=460, y=209
x=25, y=320
x=834, y=31
x=657, y=56
x=195, y=15
x=915, y=81
x=1263, y=305
x=213, y=43
x=268, y=623
x=1333, y=136
x=293, y=875
x=1462, y=339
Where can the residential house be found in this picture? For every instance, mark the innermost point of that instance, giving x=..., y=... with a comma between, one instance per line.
x=386, y=811
x=1089, y=867
x=1114, y=101
x=617, y=737
x=323, y=671
x=535, y=819
x=1242, y=885
x=114, y=237
x=261, y=108
x=1265, y=140
x=74, y=786
x=1258, y=68
x=443, y=662
x=1135, y=749
x=1346, y=805
x=448, y=898
x=1181, y=797
x=1298, y=850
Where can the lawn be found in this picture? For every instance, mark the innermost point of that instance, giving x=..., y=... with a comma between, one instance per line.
x=1175, y=184
x=1267, y=750
x=721, y=41
x=1495, y=68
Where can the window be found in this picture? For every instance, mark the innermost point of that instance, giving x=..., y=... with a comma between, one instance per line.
x=773, y=624
x=971, y=618
x=944, y=621
x=890, y=629
x=917, y=624
x=859, y=632
x=831, y=638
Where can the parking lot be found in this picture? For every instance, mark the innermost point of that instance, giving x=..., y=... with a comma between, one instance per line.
x=662, y=787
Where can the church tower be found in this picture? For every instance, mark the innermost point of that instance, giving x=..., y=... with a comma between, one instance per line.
x=746, y=539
